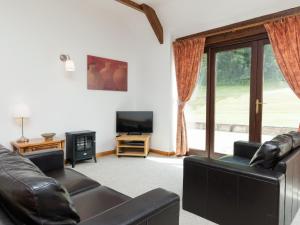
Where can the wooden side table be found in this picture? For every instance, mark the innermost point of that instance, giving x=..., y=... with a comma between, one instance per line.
x=133, y=145
x=37, y=144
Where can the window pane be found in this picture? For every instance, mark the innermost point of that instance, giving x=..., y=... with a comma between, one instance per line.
x=232, y=98
x=196, y=111
x=281, y=111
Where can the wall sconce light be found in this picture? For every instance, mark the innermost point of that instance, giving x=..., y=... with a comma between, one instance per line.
x=69, y=64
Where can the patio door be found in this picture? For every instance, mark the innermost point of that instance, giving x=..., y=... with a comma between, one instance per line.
x=233, y=89
x=241, y=95
x=220, y=112
x=231, y=86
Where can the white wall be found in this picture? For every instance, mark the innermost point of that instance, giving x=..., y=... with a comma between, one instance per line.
x=33, y=34
x=156, y=84
x=196, y=16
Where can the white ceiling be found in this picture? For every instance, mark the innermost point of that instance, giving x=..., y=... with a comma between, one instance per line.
x=184, y=17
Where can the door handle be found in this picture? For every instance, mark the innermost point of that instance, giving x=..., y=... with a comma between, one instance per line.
x=257, y=104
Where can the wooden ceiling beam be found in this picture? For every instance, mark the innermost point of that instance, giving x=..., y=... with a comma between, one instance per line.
x=154, y=21
x=131, y=4
x=151, y=16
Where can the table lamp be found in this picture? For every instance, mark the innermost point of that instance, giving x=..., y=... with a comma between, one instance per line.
x=22, y=112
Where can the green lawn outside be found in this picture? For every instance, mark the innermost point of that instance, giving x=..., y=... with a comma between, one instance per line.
x=282, y=108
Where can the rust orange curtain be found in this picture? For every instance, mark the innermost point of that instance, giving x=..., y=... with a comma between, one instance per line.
x=284, y=36
x=188, y=54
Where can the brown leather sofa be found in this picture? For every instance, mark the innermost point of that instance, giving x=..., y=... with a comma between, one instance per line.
x=259, y=184
x=62, y=196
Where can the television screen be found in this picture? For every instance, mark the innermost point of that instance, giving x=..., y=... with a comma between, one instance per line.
x=135, y=122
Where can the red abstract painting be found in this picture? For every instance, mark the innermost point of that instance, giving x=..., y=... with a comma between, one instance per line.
x=106, y=74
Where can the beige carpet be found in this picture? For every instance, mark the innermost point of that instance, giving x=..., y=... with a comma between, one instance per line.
x=135, y=176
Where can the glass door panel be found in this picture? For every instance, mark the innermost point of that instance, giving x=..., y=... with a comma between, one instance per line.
x=232, y=98
x=196, y=111
x=281, y=107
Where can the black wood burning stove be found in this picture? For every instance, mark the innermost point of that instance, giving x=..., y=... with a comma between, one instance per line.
x=80, y=145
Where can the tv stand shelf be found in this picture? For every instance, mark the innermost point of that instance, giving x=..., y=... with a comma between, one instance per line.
x=140, y=145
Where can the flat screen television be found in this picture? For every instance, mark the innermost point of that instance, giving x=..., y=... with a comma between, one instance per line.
x=134, y=122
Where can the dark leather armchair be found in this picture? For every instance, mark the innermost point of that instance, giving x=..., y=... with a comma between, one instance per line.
x=228, y=191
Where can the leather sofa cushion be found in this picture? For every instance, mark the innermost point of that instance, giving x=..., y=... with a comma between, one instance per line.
x=295, y=137
x=235, y=160
x=95, y=201
x=270, y=152
x=4, y=219
x=72, y=180
x=30, y=196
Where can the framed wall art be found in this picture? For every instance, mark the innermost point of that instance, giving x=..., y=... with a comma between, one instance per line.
x=106, y=74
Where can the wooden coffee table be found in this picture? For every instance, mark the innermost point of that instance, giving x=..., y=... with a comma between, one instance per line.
x=37, y=144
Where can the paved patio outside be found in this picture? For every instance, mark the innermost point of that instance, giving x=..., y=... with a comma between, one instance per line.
x=223, y=140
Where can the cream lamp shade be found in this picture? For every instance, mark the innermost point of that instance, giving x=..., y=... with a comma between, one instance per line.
x=70, y=65
x=22, y=111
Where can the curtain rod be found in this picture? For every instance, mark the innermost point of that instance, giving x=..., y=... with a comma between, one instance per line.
x=258, y=21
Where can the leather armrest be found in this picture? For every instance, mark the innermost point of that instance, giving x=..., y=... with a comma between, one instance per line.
x=245, y=149
x=47, y=160
x=251, y=172
x=157, y=207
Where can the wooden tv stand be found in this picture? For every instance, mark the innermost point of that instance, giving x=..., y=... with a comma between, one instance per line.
x=133, y=145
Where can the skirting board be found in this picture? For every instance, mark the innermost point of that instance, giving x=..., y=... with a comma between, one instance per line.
x=105, y=153
x=159, y=152
x=155, y=151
